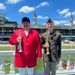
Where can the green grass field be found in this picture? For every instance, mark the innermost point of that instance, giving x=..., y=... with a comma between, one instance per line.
x=39, y=67
x=13, y=48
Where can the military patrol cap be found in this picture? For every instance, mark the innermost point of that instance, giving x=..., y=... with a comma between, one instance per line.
x=24, y=19
x=49, y=21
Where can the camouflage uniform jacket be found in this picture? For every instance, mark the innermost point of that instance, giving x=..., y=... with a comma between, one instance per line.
x=54, y=40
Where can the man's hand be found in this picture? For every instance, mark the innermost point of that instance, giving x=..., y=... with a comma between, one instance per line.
x=58, y=60
x=19, y=39
x=46, y=45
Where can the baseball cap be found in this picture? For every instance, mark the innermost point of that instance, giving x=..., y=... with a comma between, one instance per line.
x=25, y=19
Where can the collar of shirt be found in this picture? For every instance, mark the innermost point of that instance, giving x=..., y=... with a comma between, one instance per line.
x=52, y=32
x=26, y=32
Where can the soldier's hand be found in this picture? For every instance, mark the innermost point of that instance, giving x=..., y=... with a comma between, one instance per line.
x=58, y=60
x=19, y=39
x=46, y=45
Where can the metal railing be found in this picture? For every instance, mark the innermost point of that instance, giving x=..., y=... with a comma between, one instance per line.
x=60, y=69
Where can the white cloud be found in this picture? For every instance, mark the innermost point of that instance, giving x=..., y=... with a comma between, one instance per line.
x=7, y=18
x=73, y=13
x=26, y=9
x=61, y=22
x=67, y=14
x=13, y=1
x=2, y=6
x=43, y=4
x=41, y=17
x=73, y=22
x=63, y=11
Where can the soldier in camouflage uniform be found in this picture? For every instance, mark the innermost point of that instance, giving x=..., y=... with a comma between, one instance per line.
x=51, y=43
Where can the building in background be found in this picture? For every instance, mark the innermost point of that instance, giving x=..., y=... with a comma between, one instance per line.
x=7, y=28
x=67, y=31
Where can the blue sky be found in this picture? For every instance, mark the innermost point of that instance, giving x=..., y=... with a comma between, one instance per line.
x=58, y=10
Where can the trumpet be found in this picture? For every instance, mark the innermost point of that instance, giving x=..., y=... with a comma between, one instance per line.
x=47, y=48
x=19, y=45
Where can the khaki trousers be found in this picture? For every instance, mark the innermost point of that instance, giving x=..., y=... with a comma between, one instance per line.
x=50, y=68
